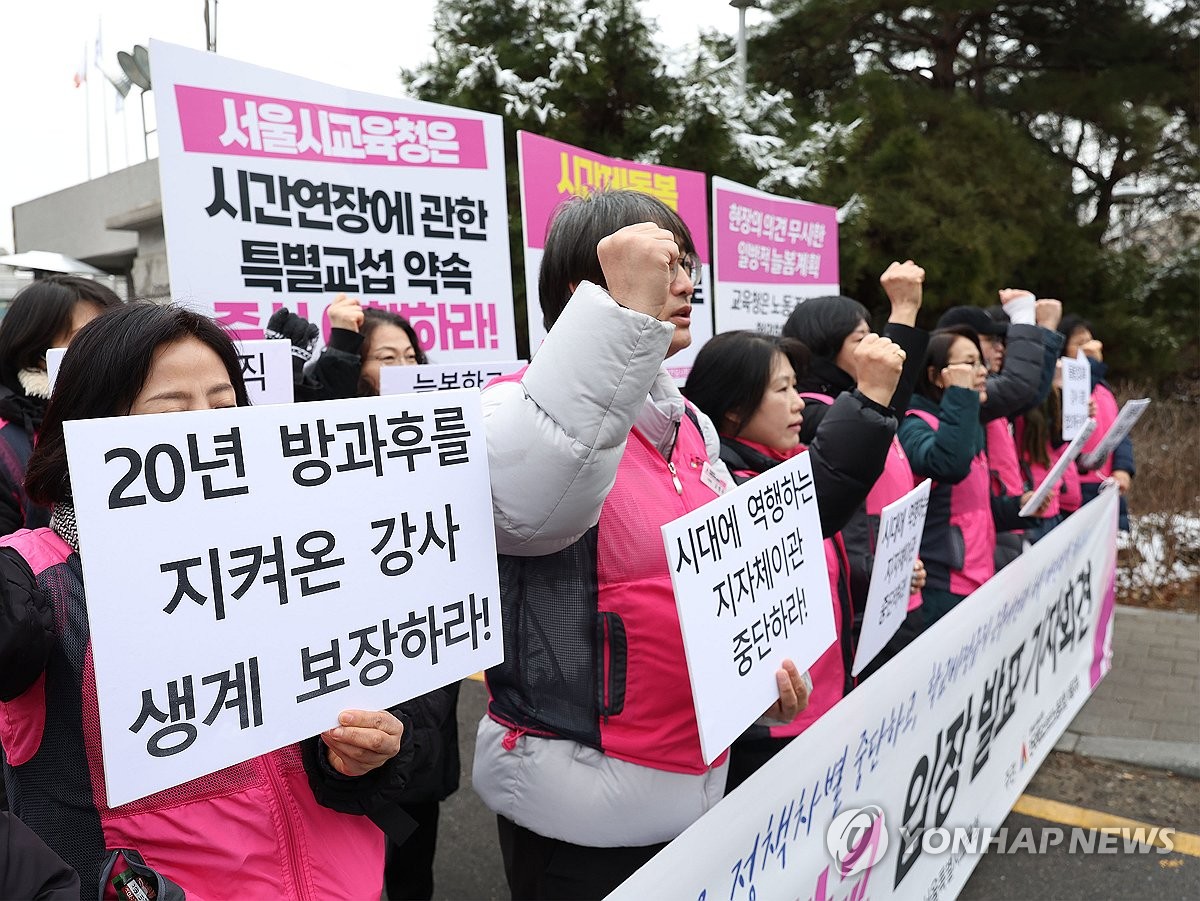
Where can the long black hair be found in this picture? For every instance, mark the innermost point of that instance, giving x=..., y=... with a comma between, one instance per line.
x=102, y=373
x=374, y=317
x=731, y=374
x=38, y=314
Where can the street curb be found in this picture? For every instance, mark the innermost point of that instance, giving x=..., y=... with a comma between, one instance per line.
x=1180, y=757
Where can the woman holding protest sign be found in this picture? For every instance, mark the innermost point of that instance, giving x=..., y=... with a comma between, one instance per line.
x=590, y=753
x=362, y=340
x=944, y=440
x=831, y=328
x=44, y=315
x=1119, y=465
x=292, y=823
x=746, y=383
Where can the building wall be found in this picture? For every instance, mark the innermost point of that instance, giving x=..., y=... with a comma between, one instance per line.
x=72, y=221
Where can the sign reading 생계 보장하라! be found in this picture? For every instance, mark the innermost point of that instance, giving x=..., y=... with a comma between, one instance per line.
x=940, y=742
x=551, y=172
x=290, y=562
x=769, y=253
x=278, y=192
x=752, y=590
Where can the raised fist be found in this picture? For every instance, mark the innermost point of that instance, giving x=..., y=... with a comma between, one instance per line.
x=878, y=362
x=902, y=283
x=286, y=325
x=637, y=262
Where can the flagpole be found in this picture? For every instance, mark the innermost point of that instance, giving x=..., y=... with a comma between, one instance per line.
x=103, y=96
x=87, y=109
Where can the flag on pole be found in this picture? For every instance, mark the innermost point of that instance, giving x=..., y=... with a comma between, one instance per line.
x=81, y=72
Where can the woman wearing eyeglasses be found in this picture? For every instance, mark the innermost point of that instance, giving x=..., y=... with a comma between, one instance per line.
x=943, y=439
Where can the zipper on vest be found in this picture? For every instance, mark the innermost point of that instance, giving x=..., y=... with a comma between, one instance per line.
x=670, y=461
x=291, y=844
x=675, y=479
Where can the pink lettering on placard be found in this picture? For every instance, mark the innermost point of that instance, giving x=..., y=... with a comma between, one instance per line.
x=248, y=125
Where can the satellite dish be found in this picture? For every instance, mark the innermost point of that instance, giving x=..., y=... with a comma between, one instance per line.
x=142, y=57
x=133, y=68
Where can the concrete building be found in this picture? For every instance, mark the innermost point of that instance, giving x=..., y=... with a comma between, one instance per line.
x=113, y=222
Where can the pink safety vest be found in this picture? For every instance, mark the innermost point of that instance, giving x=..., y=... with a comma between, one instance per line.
x=1106, y=415
x=971, y=514
x=894, y=482
x=253, y=829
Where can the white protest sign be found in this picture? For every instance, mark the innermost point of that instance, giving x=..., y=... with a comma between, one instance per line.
x=900, y=526
x=1076, y=393
x=945, y=736
x=442, y=376
x=1125, y=421
x=769, y=254
x=751, y=586
x=1054, y=476
x=252, y=572
x=54, y=358
x=298, y=191
x=267, y=370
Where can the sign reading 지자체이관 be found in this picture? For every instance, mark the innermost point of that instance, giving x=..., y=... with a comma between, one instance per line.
x=278, y=192
x=897, y=790
x=752, y=590
x=252, y=572
x=441, y=377
x=901, y=524
x=552, y=172
x=769, y=253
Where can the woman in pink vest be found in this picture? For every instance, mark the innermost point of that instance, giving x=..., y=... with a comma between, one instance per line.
x=295, y=823
x=1119, y=465
x=746, y=383
x=944, y=440
x=1039, y=445
x=831, y=327
x=590, y=752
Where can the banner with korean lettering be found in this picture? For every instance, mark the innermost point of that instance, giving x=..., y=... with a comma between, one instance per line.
x=278, y=192
x=752, y=590
x=252, y=572
x=945, y=735
x=769, y=254
x=551, y=172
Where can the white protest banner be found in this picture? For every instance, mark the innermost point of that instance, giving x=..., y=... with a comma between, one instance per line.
x=1122, y=425
x=944, y=737
x=279, y=192
x=440, y=377
x=53, y=361
x=252, y=572
x=551, y=172
x=267, y=370
x=752, y=589
x=1054, y=476
x=900, y=526
x=1076, y=393
x=769, y=253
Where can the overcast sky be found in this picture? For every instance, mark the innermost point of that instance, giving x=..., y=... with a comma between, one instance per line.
x=357, y=44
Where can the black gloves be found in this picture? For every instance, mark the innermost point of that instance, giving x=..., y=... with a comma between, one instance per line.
x=302, y=333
